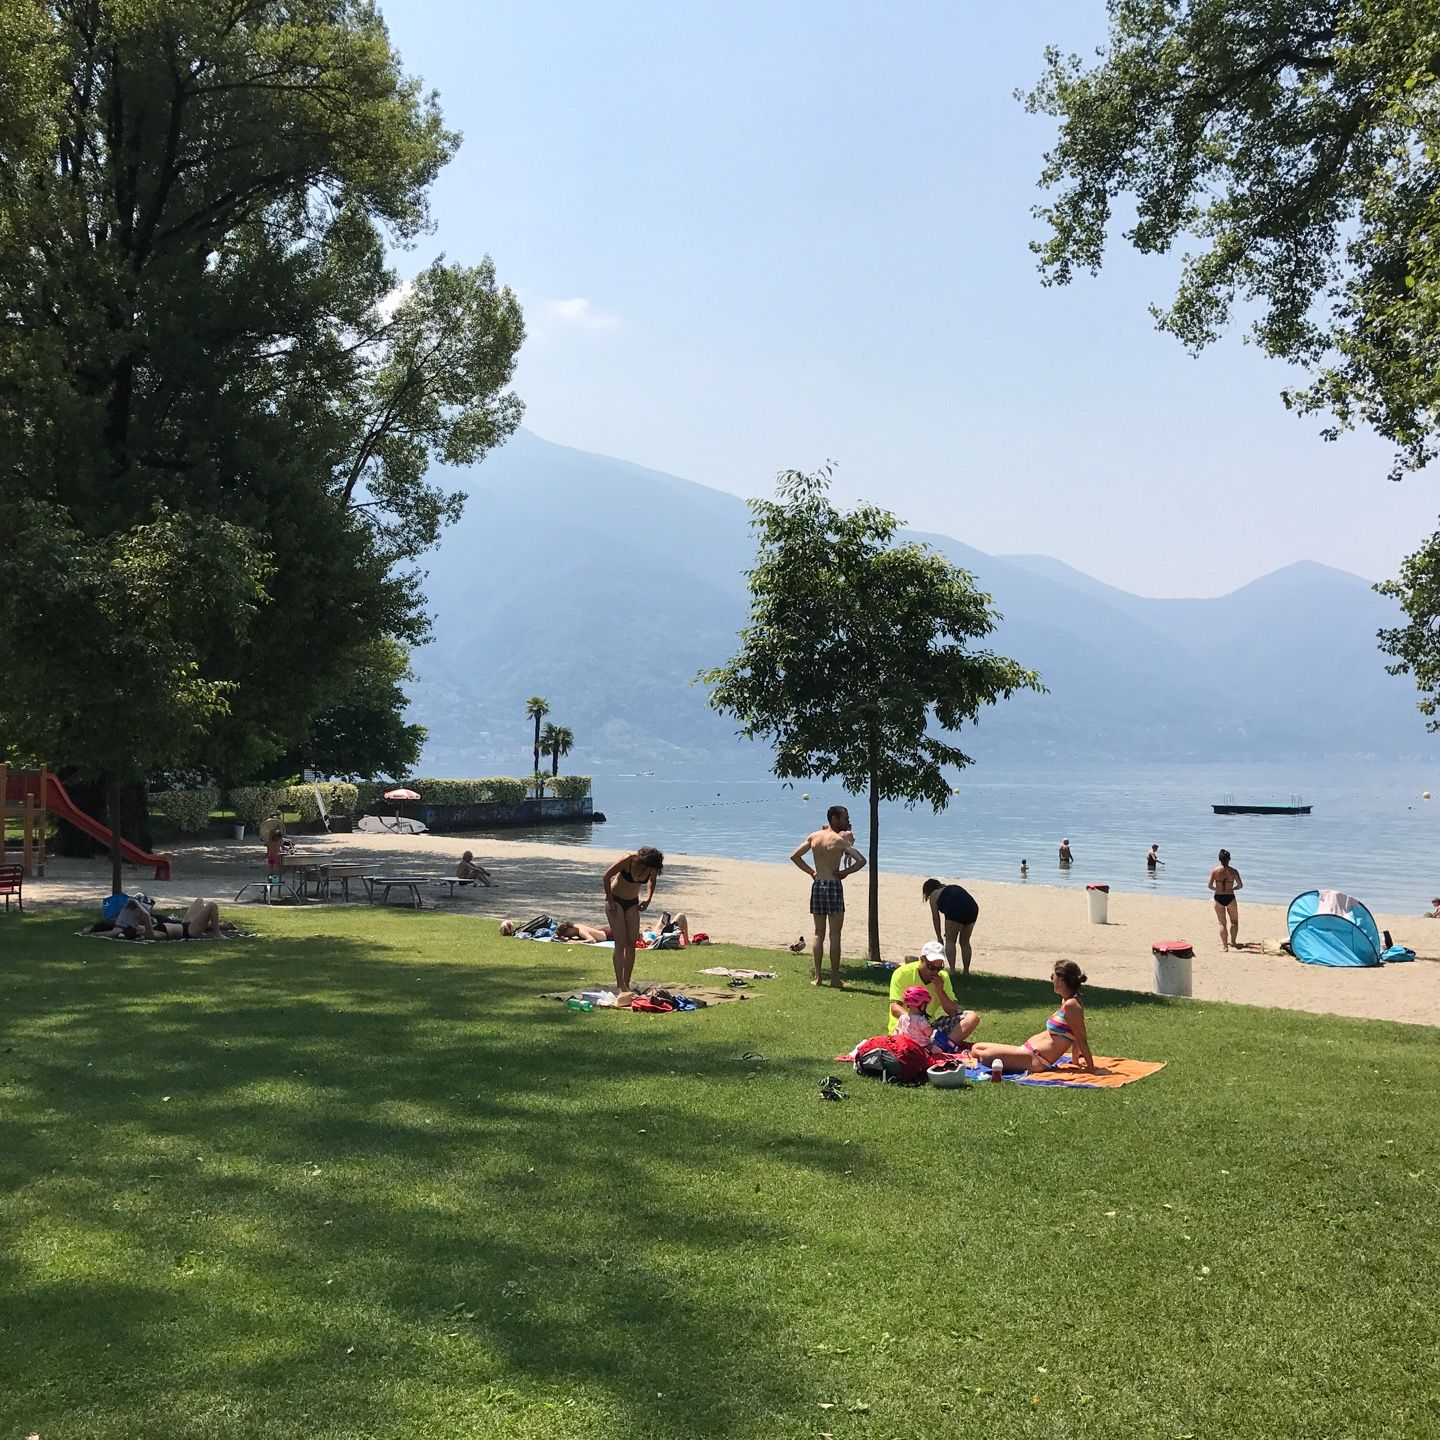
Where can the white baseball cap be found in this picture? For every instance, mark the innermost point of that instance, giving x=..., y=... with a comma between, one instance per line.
x=934, y=952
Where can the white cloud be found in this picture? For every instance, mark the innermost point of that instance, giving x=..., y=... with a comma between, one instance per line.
x=580, y=312
x=389, y=304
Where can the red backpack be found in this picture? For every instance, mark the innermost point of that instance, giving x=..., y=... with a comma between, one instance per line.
x=897, y=1059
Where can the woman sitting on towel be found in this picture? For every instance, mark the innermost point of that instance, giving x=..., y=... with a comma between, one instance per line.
x=1064, y=1030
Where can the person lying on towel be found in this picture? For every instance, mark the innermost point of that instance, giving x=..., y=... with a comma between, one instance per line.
x=1064, y=1030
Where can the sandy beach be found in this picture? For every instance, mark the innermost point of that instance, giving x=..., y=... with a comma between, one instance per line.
x=1024, y=927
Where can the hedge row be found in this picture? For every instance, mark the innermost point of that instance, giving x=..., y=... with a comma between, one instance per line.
x=499, y=790
x=189, y=810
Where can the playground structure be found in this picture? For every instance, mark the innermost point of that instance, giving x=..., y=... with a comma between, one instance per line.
x=30, y=795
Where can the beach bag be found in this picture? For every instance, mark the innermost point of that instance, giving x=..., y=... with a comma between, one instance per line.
x=1397, y=954
x=670, y=940
x=647, y=1006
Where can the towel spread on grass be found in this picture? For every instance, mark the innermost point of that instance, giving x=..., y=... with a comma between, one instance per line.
x=709, y=994
x=111, y=935
x=740, y=974
x=1111, y=1071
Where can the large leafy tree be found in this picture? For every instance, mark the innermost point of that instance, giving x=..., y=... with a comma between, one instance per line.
x=859, y=656
x=1295, y=148
x=363, y=733
x=197, y=205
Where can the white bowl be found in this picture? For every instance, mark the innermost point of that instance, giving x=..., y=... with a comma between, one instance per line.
x=947, y=1078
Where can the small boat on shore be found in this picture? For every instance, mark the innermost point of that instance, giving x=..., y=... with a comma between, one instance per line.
x=1230, y=807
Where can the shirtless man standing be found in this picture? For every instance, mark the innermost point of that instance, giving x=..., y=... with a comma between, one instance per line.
x=835, y=857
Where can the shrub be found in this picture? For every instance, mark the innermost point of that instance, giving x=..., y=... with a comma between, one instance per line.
x=435, y=791
x=570, y=787
x=252, y=803
x=340, y=799
x=187, y=810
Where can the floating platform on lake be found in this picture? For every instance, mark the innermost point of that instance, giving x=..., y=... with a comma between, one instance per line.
x=1232, y=809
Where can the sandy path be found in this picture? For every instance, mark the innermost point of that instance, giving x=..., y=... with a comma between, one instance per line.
x=1023, y=928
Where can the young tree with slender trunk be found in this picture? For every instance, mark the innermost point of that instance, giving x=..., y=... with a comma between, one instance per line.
x=858, y=657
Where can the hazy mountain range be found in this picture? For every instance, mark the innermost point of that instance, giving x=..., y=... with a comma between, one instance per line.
x=605, y=587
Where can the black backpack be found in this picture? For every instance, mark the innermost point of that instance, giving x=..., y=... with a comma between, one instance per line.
x=881, y=1065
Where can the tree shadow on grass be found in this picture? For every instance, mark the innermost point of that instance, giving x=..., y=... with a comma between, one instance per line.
x=282, y=1177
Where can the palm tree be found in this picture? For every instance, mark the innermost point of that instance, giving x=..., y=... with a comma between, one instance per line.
x=537, y=708
x=559, y=740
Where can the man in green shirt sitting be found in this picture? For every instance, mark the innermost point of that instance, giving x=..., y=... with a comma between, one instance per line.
x=943, y=1011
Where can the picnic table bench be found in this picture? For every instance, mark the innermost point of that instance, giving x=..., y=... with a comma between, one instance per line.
x=412, y=883
x=386, y=883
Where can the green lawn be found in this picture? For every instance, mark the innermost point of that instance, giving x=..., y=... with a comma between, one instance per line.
x=354, y=1179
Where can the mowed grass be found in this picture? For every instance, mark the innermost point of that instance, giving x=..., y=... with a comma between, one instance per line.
x=354, y=1179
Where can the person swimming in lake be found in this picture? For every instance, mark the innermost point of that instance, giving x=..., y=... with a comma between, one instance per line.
x=1223, y=883
x=623, y=882
x=1064, y=1031
x=1066, y=858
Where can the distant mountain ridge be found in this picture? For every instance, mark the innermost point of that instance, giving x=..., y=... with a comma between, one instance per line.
x=606, y=587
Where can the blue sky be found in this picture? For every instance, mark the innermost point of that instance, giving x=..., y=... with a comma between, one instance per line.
x=755, y=236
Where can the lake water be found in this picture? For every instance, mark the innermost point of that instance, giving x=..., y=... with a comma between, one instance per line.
x=1370, y=833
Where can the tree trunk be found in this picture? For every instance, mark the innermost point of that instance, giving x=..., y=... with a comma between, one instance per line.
x=874, y=868
x=554, y=762
x=114, y=818
x=535, y=768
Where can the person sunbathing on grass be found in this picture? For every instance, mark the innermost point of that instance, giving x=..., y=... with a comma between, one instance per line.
x=588, y=934
x=1064, y=1030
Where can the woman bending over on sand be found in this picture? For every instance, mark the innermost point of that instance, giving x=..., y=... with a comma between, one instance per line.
x=1224, y=882
x=957, y=906
x=1064, y=1030
x=623, y=882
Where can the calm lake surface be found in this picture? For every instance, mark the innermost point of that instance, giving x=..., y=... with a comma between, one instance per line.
x=1370, y=832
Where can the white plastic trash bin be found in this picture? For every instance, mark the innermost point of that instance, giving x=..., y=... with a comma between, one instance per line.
x=1099, y=897
x=1172, y=971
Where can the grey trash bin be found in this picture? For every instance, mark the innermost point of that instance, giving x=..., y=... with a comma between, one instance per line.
x=1172, y=967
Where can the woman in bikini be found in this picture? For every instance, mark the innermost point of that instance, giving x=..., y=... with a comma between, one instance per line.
x=1064, y=1030
x=623, y=882
x=1224, y=882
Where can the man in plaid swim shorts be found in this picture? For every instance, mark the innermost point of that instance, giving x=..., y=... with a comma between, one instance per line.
x=835, y=856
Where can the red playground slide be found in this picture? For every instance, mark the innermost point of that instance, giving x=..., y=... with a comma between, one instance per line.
x=56, y=798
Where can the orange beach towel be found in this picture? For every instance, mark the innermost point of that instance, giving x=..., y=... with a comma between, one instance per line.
x=1111, y=1071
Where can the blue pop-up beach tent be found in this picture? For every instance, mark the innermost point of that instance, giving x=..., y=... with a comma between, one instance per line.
x=1351, y=939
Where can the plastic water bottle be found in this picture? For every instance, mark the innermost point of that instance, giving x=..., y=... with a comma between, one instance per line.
x=997, y=1070
x=574, y=1003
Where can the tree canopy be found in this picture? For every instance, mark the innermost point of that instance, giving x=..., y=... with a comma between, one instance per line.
x=208, y=360
x=858, y=656
x=1296, y=146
